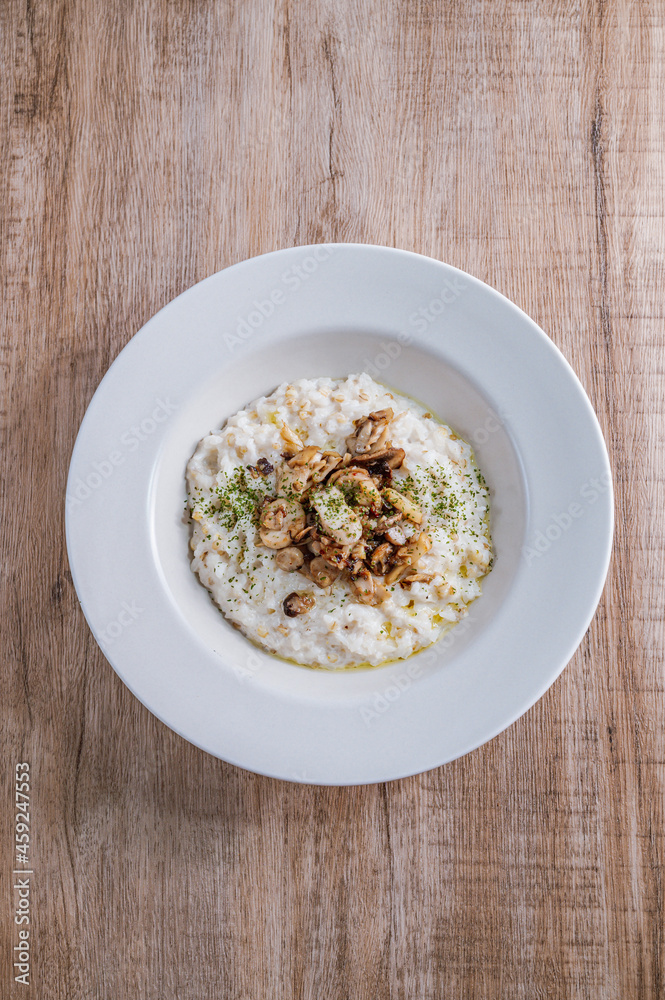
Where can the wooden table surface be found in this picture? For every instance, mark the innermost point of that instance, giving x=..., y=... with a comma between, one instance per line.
x=145, y=145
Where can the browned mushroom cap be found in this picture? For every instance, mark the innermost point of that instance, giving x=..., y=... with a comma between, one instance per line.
x=381, y=559
x=393, y=457
x=289, y=559
x=265, y=467
x=380, y=472
x=321, y=573
x=297, y=603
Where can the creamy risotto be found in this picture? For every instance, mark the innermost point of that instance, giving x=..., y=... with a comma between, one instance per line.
x=337, y=523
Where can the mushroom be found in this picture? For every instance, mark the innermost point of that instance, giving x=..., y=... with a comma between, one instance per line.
x=295, y=477
x=280, y=521
x=395, y=534
x=393, y=457
x=406, y=581
x=289, y=559
x=306, y=467
x=411, y=553
x=357, y=556
x=302, y=535
x=306, y=456
x=265, y=467
x=366, y=588
x=381, y=559
x=293, y=444
x=336, y=556
x=387, y=521
x=321, y=573
x=370, y=430
x=404, y=505
x=297, y=603
x=329, y=460
x=359, y=550
x=380, y=472
x=395, y=573
x=293, y=482
x=408, y=556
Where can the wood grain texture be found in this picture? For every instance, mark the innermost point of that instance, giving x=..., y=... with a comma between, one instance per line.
x=144, y=145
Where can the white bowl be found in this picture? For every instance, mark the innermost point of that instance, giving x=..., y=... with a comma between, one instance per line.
x=431, y=332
